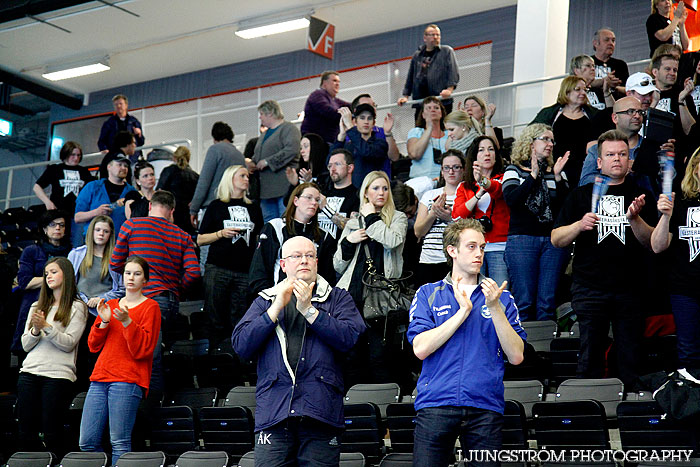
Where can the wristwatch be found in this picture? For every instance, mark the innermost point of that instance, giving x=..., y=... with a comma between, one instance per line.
x=310, y=311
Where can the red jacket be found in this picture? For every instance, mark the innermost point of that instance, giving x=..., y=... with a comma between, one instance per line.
x=500, y=215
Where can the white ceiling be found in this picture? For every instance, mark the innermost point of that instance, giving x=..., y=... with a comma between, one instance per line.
x=178, y=36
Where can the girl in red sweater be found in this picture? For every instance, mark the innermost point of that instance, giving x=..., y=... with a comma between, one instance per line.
x=480, y=196
x=123, y=369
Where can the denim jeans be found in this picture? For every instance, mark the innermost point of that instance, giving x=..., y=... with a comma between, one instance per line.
x=495, y=267
x=298, y=441
x=169, y=308
x=42, y=404
x=535, y=267
x=686, y=313
x=437, y=429
x=272, y=208
x=117, y=402
x=225, y=294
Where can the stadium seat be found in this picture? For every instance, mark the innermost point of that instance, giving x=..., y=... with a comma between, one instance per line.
x=380, y=394
x=607, y=391
x=563, y=352
x=178, y=371
x=31, y=459
x=84, y=459
x=525, y=392
x=142, y=459
x=177, y=329
x=172, y=430
x=248, y=460
x=200, y=324
x=194, y=398
x=401, y=421
x=191, y=348
x=227, y=429
x=397, y=460
x=217, y=370
x=540, y=333
x=644, y=425
x=189, y=307
x=514, y=426
x=202, y=459
x=351, y=459
x=570, y=425
x=241, y=395
x=363, y=431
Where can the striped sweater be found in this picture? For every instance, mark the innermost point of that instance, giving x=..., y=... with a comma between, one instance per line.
x=168, y=250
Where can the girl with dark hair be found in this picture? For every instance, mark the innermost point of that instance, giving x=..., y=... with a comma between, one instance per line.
x=480, y=196
x=300, y=218
x=434, y=213
x=51, y=335
x=312, y=164
x=426, y=142
x=123, y=370
x=66, y=180
x=136, y=202
x=30, y=275
x=180, y=180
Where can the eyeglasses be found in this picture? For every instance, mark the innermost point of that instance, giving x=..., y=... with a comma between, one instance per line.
x=297, y=258
x=451, y=168
x=546, y=139
x=311, y=198
x=335, y=164
x=60, y=225
x=631, y=112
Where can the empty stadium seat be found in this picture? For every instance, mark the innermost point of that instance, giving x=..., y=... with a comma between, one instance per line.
x=202, y=459
x=227, y=429
x=401, y=421
x=241, y=395
x=540, y=333
x=84, y=459
x=525, y=392
x=607, y=391
x=570, y=425
x=380, y=394
x=363, y=431
x=142, y=459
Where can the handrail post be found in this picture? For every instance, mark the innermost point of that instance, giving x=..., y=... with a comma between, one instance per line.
x=10, y=174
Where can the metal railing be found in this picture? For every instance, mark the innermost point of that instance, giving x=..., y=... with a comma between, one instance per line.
x=88, y=159
x=512, y=125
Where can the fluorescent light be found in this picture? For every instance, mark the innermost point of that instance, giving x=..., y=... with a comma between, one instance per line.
x=276, y=28
x=76, y=71
x=5, y=127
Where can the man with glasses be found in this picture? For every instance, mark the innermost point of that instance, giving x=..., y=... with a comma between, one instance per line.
x=611, y=254
x=341, y=196
x=298, y=330
x=628, y=117
x=433, y=71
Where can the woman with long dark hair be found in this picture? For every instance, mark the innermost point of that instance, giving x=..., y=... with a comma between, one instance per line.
x=480, y=196
x=426, y=142
x=312, y=163
x=123, y=370
x=231, y=225
x=51, y=335
x=300, y=218
x=30, y=275
x=136, y=202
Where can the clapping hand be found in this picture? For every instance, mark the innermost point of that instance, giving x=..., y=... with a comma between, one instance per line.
x=303, y=292
x=635, y=207
x=38, y=321
x=461, y=296
x=103, y=311
x=492, y=292
x=122, y=315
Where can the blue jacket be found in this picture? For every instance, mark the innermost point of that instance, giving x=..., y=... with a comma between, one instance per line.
x=467, y=371
x=95, y=194
x=110, y=128
x=315, y=389
x=76, y=257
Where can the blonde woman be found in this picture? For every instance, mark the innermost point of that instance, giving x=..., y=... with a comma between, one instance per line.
x=231, y=225
x=534, y=188
x=482, y=115
x=383, y=230
x=461, y=131
x=93, y=275
x=678, y=213
x=661, y=29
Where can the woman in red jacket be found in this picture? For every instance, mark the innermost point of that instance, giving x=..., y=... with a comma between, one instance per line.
x=480, y=196
x=123, y=369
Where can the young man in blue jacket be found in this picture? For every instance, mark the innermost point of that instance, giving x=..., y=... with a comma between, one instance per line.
x=299, y=330
x=463, y=328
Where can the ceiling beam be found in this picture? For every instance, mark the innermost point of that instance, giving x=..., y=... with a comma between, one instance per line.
x=49, y=93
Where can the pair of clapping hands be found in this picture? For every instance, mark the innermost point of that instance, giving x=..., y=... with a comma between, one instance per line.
x=492, y=294
x=120, y=313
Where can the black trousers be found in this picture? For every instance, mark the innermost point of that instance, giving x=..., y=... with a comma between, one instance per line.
x=596, y=310
x=42, y=406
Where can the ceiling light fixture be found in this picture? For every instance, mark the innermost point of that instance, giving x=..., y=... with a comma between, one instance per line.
x=274, y=24
x=73, y=70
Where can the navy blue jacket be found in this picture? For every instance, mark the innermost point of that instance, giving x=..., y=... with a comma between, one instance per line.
x=313, y=386
x=110, y=128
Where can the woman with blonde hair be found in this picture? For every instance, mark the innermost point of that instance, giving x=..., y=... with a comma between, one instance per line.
x=461, y=131
x=180, y=180
x=51, y=335
x=570, y=119
x=680, y=215
x=382, y=229
x=534, y=187
x=231, y=225
x=661, y=29
x=482, y=114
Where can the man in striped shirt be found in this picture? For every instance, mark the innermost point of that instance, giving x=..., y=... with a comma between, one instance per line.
x=171, y=256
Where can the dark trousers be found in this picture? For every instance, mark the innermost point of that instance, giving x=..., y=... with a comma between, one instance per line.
x=298, y=441
x=437, y=429
x=596, y=310
x=42, y=405
x=225, y=294
x=169, y=308
x=686, y=313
